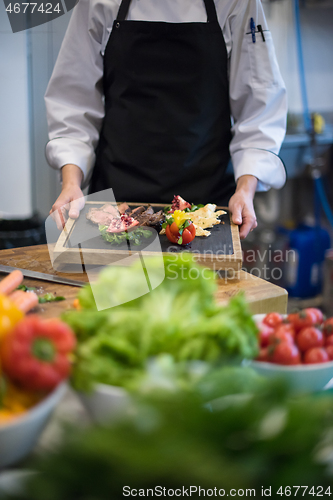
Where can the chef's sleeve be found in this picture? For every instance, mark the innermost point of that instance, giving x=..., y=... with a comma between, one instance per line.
x=74, y=99
x=257, y=98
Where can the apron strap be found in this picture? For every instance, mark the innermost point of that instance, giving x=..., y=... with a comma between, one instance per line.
x=211, y=11
x=123, y=10
x=209, y=4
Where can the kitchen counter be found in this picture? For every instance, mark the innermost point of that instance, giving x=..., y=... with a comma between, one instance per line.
x=262, y=296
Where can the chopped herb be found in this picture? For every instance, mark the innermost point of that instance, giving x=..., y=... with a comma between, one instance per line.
x=49, y=297
x=26, y=288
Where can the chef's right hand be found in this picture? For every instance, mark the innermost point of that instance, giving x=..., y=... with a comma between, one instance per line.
x=71, y=198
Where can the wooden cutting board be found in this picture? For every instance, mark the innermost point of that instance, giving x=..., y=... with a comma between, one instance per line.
x=81, y=239
x=262, y=296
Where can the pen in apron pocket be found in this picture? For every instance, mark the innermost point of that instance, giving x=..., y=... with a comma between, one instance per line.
x=253, y=29
x=262, y=32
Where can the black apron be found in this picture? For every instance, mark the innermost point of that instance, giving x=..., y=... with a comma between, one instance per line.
x=167, y=125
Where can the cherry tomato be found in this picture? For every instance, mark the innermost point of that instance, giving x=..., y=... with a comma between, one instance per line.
x=329, y=340
x=316, y=355
x=174, y=229
x=280, y=336
x=303, y=319
x=319, y=315
x=272, y=319
x=328, y=327
x=263, y=354
x=309, y=337
x=286, y=328
x=329, y=350
x=172, y=233
x=171, y=237
x=264, y=332
x=284, y=353
x=188, y=234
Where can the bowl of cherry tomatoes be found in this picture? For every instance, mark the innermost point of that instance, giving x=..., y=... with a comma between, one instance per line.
x=297, y=347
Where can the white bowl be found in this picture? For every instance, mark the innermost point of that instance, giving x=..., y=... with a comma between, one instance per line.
x=105, y=402
x=18, y=437
x=301, y=378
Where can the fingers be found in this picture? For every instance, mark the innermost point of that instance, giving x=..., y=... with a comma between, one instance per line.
x=243, y=214
x=249, y=223
x=59, y=216
x=75, y=208
x=236, y=210
x=71, y=200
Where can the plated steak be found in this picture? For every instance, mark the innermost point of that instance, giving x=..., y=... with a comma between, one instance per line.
x=124, y=208
x=97, y=216
x=104, y=215
x=114, y=217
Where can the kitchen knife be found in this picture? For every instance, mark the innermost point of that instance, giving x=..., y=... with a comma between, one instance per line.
x=42, y=276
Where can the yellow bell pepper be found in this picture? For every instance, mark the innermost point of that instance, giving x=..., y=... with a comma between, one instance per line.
x=9, y=315
x=179, y=216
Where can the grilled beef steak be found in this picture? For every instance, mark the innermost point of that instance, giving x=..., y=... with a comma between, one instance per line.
x=121, y=218
x=97, y=216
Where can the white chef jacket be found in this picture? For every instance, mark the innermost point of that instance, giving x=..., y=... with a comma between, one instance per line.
x=74, y=97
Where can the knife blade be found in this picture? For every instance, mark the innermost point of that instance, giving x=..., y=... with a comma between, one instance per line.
x=42, y=276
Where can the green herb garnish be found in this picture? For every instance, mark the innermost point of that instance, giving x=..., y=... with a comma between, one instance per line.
x=136, y=236
x=194, y=207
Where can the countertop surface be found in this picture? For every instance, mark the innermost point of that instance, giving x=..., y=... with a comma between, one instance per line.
x=262, y=296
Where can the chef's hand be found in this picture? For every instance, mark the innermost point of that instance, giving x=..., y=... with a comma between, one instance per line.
x=241, y=205
x=71, y=198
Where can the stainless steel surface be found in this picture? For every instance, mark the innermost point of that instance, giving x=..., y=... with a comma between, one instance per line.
x=42, y=276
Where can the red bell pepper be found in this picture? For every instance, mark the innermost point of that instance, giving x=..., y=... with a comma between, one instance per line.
x=36, y=353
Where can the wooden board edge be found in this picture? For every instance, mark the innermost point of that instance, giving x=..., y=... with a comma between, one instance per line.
x=236, y=240
x=61, y=242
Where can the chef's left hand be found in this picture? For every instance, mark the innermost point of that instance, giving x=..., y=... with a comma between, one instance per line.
x=241, y=205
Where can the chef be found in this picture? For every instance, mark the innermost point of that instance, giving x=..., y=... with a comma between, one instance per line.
x=152, y=97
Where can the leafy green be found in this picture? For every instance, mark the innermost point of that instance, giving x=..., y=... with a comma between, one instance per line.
x=194, y=207
x=179, y=317
x=135, y=236
x=256, y=439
